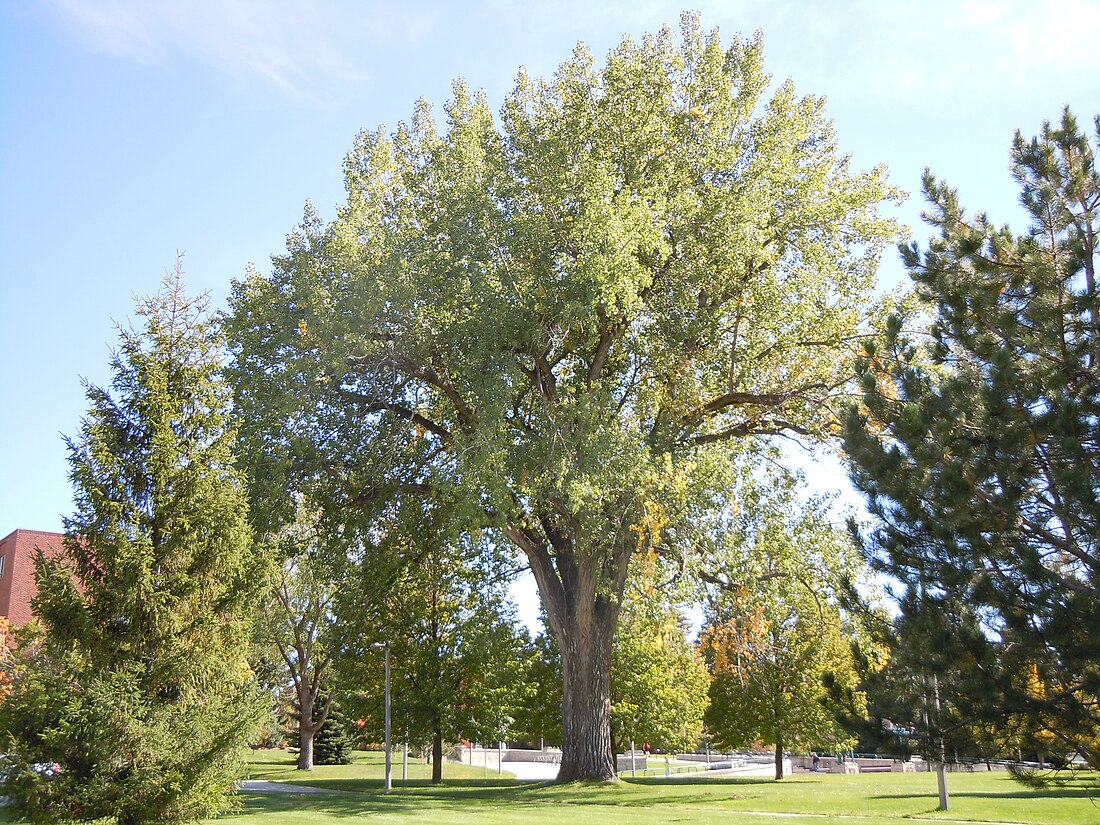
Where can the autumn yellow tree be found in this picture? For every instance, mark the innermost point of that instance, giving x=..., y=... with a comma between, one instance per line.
x=775, y=638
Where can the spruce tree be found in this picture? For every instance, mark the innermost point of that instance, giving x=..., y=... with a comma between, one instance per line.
x=140, y=690
x=979, y=449
x=332, y=741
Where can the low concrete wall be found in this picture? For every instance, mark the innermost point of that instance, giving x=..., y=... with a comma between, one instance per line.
x=861, y=764
x=551, y=756
x=713, y=756
x=476, y=755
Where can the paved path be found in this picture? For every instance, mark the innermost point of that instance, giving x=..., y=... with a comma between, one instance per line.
x=264, y=786
x=532, y=771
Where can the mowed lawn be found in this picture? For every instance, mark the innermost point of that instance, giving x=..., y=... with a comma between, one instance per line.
x=467, y=795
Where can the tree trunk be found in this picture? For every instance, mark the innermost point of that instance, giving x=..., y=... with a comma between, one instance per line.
x=586, y=699
x=437, y=756
x=307, y=724
x=779, y=759
x=581, y=590
x=305, y=749
x=306, y=729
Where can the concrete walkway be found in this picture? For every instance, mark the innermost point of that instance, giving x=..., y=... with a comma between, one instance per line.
x=522, y=771
x=264, y=786
x=532, y=771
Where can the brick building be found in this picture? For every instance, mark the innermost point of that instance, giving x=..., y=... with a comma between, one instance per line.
x=17, y=587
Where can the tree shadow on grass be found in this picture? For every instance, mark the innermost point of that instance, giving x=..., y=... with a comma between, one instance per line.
x=705, y=780
x=334, y=805
x=1023, y=793
x=421, y=786
x=360, y=797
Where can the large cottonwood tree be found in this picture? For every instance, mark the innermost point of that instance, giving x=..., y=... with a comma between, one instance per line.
x=570, y=314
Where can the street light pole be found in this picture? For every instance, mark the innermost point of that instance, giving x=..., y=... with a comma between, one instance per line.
x=385, y=647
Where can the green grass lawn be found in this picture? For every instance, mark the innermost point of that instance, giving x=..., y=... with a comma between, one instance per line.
x=363, y=774
x=468, y=797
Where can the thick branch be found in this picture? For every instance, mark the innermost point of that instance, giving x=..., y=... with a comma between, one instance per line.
x=749, y=428
x=427, y=373
x=379, y=405
x=608, y=335
x=542, y=567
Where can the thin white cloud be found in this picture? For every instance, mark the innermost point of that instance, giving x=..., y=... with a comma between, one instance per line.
x=1003, y=49
x=1009, y=49
x=300, y=48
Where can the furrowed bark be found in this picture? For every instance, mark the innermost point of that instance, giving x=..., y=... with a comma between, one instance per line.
x=586, y=697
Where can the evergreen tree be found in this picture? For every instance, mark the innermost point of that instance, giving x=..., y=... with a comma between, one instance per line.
x=919, y=675
x=140, y=691
x=332, y=743
x=979, y=449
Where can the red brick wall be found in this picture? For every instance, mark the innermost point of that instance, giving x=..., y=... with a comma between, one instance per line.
x=17, y=580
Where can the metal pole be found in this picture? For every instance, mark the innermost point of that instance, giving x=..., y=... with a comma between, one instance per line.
x=389, y=775
x=385, y=648
x=405, y=764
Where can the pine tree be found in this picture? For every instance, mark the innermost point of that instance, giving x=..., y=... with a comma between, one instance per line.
x=979, y=450
x=332, y=743
x=140, y=690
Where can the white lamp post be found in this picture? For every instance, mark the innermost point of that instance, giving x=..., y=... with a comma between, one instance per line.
x=385, y=646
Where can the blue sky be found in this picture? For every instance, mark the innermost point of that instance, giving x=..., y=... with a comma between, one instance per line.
x=130, y=129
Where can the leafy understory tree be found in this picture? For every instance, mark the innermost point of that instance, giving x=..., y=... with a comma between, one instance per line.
x=298, y=621
x=775, y=638
x=658, y=680
x=139, y=691
x=570, y=318
x=978, y=449
x=537, y=717
x=439, y=598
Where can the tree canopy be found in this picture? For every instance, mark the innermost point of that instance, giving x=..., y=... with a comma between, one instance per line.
x=977, y=443
x=568, y=317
